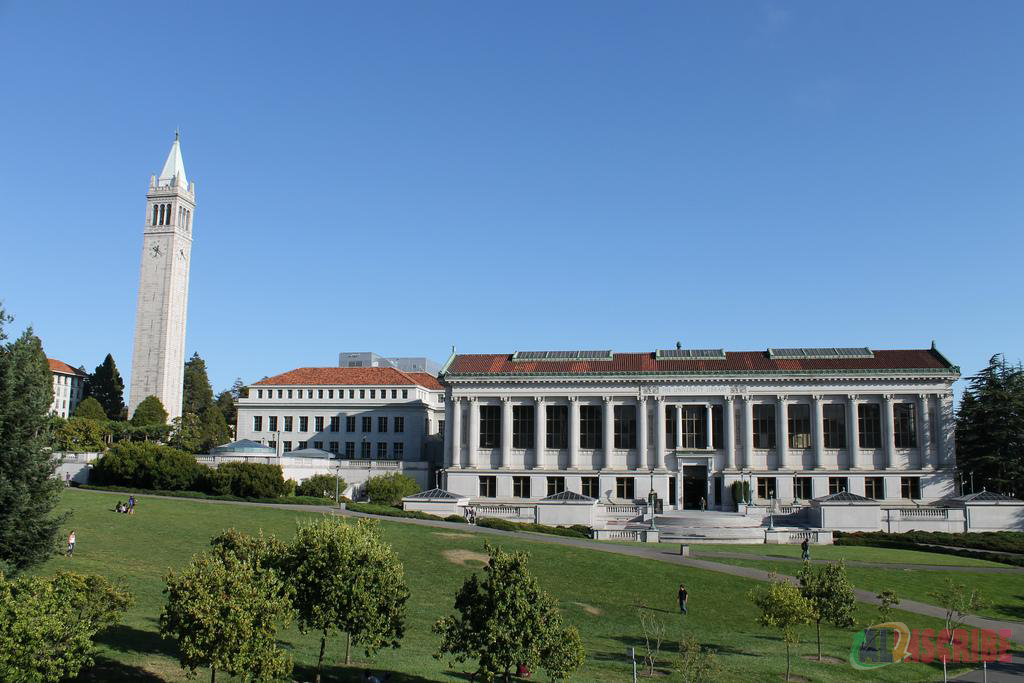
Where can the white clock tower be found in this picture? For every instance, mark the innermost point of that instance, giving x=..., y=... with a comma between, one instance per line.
x=158, y=361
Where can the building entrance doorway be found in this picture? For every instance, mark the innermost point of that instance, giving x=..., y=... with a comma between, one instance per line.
x=695, y=486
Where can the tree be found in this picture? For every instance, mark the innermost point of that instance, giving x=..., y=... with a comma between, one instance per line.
x=990, y=427
x=81, y=435
x=226, y=402
x=107, y=387
x=224, y=614
x=47, y=624
x=389, y=489
x=321, y=486
x=347, y=579
x=187, y=433
x=957, y=601
x=887, y=601
x=654, y=634
x=197, y=395
x=506, y=620
x=150, y=412
x=28, y=490
x=214, y=430
x=783, y=608
x=830, y=592
x=90, y=409
x=149, y=466
x=697, y=664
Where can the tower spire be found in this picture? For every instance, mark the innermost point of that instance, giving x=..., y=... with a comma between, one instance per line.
x=174, y=167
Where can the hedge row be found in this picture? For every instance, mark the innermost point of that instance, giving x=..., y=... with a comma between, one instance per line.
x=291, y=500
x=388, y=511
x=881, y=539
x=574, y=531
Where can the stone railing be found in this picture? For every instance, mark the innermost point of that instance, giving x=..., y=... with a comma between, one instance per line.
x=624, y=510
x=505, y=511
x=921, y=513
x=791, y=509
x=783, y=536
x=637, y=535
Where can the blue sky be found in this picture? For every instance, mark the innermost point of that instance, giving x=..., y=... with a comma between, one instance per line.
x=400, y=177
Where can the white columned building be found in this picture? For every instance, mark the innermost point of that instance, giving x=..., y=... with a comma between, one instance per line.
x=158, y=359
x=795, y=423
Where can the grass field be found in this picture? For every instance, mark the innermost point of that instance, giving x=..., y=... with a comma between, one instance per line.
x=857, y=553
x=597, y=593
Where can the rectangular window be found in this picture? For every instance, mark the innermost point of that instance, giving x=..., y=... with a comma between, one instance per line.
x=272, y=444
x=904, y=425
x=717, y=429
x=382, y=449
x=288, y=420
x=521, y=487
x=874, y=487
x=837, y=485
x=373, y=393
x=557, y=427
x=330, y=393
x=398, y=450
x=287, y=446
x=399, y=425
x=591, y=487
x=309, y=393
x=405, y=393
x=280, y=393
x=488, y=487
x=625, y=426
x=273, y=423
x=350, y=423
x=834, y=427
x=394, y=393
x=910, y=487
x=362, y=393
x=799, y=425
x=350, y=449
x=764, y=426
x=302, y=445
x=335, y=420
x=869, y=422
x=304, y=424
x=556, y=485
x=694, y=427
x=366, y=450
x=802, y=488
x=490, y=426
x=319, y=393
x=766, y=488
x=289, y=393
x=259, y=393
x=670, y=427
x=334, y=447
x=624, y=488
x=522, y=427
x=367, y=423
x=590, y=426
x=382, y=424
x=257, y=423
x=318, y=444
x=351, y=393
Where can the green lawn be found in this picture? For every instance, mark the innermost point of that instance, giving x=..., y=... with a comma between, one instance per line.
x=1005, y=592
x=597, y=592
x=848, y=552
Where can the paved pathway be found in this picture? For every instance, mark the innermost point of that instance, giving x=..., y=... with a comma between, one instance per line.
x=712, y=554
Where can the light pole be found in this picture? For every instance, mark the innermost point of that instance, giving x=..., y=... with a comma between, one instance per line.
x=337, y=484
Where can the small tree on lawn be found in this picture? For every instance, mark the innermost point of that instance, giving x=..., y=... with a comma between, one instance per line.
x=957, y=601
x=224, y=613
x=887, y=601
x=654, y=634
x=829, y=589
x=150, y=412
x=346, y=578
x=506, y=620
x=783, y=608
x=697, y=664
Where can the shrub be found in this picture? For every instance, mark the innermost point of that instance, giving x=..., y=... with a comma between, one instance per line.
x=320, y=486
x=389, y=489
x=214, y=482
x=255, y=480
x=148, y=466
x=455, y=518
x=389, y=511
x=505, y=525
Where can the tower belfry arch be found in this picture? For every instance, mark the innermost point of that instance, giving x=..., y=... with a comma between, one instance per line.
x=158, y=357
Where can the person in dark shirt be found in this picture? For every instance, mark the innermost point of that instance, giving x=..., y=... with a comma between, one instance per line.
x=805, y=551
x=682, y=599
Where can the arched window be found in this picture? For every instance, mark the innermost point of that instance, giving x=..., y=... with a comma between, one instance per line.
x=161, y=215
x=155, y=209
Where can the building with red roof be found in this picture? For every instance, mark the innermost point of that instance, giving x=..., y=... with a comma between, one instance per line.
x=68, y=385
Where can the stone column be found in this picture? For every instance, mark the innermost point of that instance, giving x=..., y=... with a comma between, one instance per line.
x=506, y=432
x=710, y=430
x=946, y=440
x=748, y=433
x=455, y=457
x=540, y=436
x=679, y=426
x=474, y=432
x=818, y=430
x=852, y=432
x=574, y=433
x=924, y=432
x=659, y=433
x=888, y=432
x=607, y=434
x=641, y=433
x=729, y=432
x=781, y=431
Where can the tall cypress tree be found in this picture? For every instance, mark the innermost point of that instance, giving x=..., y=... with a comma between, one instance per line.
x=28, y=490
x=107, y=387
x=197, y=393
x=990, y=428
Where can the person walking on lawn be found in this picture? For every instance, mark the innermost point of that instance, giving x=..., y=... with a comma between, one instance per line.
x=805, y=551
x=71, y=544
x=682, y=599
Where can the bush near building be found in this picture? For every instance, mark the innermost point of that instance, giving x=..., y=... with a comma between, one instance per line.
x=320, y=486
x=389, y=489
x=148, y=466
x=254, y=480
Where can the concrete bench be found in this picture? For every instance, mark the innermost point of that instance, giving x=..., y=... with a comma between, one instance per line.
x=684, y=549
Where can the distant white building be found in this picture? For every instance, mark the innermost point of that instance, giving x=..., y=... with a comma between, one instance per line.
x=376, y=413
x=68, y=384
x=369, y=359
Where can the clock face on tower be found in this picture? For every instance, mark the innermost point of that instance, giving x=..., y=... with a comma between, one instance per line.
x=155, y=251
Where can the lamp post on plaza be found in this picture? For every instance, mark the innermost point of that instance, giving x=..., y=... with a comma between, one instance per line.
x=337, y=484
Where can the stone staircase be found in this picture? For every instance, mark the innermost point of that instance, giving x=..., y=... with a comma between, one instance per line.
x=715, y=527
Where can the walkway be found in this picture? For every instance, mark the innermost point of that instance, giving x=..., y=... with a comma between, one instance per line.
x=711, y=554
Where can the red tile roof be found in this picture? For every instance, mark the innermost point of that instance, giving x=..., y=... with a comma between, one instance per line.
x=736, y=362
x=351, y=377
x=63, y=368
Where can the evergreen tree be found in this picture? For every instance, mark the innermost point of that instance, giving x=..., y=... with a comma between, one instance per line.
x=28, y=490
x=150, y=412
x=197, y=394
x=990, y=428
x=90, y=409
x=226, y=402
x=215, y=430
x=107, y=387
x=187, y=433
